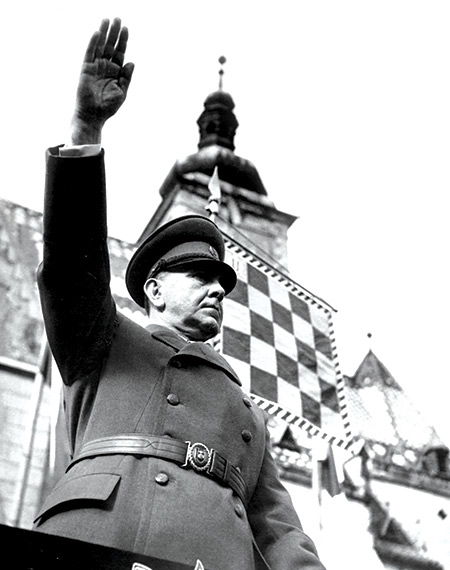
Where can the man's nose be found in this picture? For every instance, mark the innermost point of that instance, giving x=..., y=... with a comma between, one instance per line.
x=216, y=289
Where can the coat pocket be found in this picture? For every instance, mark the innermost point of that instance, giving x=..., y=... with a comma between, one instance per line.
x=96, y=487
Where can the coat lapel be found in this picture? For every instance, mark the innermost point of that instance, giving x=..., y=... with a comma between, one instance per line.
x=206, y=352
x=196, y=349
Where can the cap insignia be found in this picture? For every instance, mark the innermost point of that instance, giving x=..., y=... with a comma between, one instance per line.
x=213, y=252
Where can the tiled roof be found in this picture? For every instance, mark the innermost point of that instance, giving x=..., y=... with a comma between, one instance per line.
x=380, y=410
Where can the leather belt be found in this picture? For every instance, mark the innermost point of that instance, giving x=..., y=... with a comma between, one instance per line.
x=196, y=456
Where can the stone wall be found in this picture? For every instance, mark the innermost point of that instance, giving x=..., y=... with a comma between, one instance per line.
x=18, y=505
x=20, y=252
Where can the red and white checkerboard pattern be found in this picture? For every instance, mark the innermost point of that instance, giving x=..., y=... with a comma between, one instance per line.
x=279, y=339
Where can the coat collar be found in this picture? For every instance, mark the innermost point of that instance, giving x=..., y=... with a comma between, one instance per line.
x=197, y=349
x=167, y=336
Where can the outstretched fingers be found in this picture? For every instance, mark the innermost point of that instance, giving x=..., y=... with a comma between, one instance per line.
x=89, y=56
x=103, y=30
x=106, y=44
x=111, y=40
x=119, y=53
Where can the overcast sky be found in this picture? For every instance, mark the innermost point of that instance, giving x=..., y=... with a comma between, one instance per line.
x=344, y=108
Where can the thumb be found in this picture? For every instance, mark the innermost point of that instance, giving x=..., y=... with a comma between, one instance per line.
x=125, y=76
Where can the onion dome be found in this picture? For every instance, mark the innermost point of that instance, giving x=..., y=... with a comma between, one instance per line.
x=217, y=123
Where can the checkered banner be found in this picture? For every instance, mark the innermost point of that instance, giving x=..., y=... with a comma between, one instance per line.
x=279, y=339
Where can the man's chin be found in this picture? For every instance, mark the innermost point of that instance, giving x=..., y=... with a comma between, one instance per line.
x=209, y=328
x=202, y=329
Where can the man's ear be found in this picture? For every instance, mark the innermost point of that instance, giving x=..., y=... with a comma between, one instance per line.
x=153, y=291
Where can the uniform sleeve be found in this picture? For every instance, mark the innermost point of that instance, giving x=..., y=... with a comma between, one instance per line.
x=73, y=278
x=276, y=527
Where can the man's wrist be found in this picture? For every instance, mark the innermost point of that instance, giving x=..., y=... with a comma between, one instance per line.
x=84, y=132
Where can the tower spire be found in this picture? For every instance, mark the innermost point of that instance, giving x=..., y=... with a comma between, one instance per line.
x=217, y=123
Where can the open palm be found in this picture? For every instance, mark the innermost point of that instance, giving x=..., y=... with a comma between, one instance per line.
x=104, y=80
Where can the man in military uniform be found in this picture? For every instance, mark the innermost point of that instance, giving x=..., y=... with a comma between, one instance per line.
x=169, y=457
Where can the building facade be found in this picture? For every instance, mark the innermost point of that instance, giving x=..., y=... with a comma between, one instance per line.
x=393, y=496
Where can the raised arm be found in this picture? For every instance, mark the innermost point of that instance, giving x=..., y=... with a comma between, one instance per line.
x=74, y=277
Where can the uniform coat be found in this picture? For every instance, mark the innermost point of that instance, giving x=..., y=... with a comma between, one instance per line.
x=120, y=378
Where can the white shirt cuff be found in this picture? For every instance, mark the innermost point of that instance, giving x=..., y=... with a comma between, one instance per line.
x=80, y=150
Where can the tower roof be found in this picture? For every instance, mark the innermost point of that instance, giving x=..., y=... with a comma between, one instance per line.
x=372, y=370
x=217, y=123
x=382, y=412
x=217, y=126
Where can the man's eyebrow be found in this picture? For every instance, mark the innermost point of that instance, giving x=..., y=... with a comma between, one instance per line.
x=203, y=272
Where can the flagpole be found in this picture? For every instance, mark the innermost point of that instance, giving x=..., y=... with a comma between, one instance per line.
x=316, y=483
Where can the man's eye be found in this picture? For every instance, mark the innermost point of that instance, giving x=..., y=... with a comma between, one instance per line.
x=200, y=276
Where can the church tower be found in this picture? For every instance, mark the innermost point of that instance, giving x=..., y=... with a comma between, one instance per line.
x=246, y=213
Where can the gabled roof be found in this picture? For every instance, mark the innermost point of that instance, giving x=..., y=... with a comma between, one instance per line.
x=372, y=371
x=380, y=411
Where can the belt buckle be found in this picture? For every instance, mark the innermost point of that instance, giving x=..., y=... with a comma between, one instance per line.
x=198, y=456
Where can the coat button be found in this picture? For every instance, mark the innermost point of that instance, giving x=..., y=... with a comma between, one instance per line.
x=247, y=402
x=246, y=435
x=239, y=510
x=173, y=399
x=162, y=478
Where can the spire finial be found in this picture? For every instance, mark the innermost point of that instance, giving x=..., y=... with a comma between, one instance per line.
x=222, y=60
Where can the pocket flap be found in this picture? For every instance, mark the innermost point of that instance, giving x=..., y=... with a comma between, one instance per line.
x=93, y=486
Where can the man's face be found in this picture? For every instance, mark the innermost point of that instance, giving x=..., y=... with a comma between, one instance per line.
x=192, y=302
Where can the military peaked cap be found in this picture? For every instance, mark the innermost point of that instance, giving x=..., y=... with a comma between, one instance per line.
x=182, y=242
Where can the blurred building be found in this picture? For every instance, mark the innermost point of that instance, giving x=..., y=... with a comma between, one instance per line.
x=391, y=501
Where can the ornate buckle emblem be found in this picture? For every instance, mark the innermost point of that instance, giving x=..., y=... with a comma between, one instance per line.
x=198, y=456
